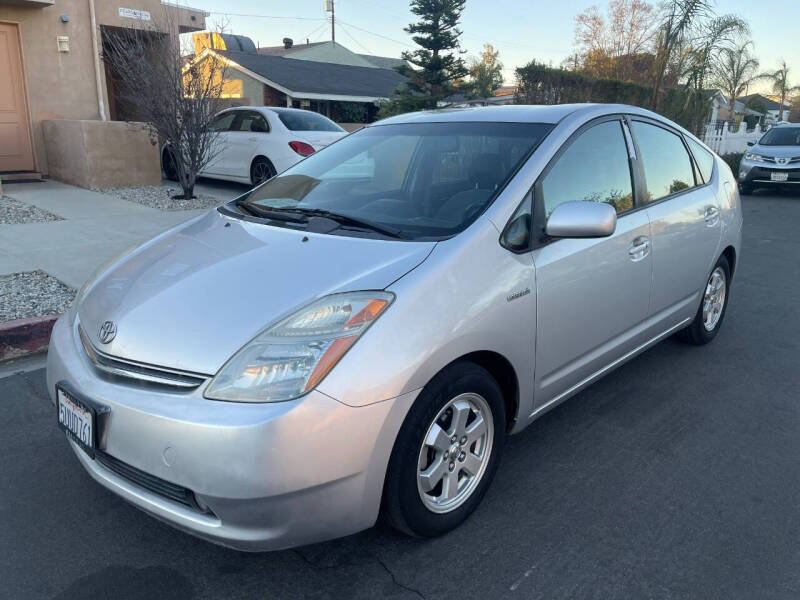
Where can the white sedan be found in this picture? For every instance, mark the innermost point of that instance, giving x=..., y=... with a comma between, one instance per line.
x=255, y=143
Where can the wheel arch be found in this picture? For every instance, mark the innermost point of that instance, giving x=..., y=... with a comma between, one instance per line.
x=730, y=254
x=504, y=374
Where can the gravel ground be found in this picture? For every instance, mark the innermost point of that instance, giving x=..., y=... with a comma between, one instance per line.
x=160, y=197
x=14, y=212
x=32, y=294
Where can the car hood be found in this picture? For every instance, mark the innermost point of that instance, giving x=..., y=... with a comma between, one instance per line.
x=190, y=299
x=777, y=151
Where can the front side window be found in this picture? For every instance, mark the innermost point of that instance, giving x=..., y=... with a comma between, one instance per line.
x=667, y=166
x=425, y=180
x=595, y=168
x=704, y=159
x=781, y=136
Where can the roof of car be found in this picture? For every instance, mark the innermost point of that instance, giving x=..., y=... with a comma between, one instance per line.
x=513, y=113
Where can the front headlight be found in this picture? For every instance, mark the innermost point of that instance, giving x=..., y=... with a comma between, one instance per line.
x=291, y=357
x=753, y=156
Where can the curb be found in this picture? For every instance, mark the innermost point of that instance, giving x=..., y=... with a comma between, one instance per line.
x=25, y=336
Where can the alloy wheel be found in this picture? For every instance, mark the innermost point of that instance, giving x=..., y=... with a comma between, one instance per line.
x=455, y=453
x=714, y=299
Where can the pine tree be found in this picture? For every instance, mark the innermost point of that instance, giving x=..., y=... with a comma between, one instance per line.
x=437, y=65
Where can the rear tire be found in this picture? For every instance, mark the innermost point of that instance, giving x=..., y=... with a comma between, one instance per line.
x=714, y=303
x=261, y=170
x=446, y=453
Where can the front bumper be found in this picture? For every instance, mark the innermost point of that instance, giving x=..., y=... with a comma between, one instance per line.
x=759, y=173
x=265, y=476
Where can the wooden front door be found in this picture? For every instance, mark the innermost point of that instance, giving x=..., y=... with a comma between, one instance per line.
x=16, y=151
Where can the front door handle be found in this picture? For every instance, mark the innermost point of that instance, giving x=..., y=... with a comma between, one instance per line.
x=711, y=215
x=639, y=249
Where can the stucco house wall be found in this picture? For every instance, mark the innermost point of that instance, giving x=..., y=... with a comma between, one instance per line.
x=62, y=85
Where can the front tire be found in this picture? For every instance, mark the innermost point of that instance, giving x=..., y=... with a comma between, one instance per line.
x=709, y=317
x=446, y=453
x=745, y=188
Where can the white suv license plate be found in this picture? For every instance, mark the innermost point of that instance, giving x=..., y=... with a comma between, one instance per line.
x=774, y=176
x=76, y=419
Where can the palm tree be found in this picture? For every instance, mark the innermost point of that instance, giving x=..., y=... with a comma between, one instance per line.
x=679, y=15
x=780, y=85
x=734, y=70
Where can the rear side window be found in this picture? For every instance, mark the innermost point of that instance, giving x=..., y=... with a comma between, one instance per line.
x=253, y=122
x=594, y=167
x=667, y=166
x=704, y=159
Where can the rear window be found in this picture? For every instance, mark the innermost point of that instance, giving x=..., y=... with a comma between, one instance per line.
x=306, y=121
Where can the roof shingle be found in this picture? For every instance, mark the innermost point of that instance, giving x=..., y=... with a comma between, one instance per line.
x=306, y=76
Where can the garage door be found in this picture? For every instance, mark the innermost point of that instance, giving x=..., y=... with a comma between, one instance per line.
x=16, y=153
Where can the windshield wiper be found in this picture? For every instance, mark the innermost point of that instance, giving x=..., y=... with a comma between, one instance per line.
x=270, y=212
x=349, y=220
x=300, y=213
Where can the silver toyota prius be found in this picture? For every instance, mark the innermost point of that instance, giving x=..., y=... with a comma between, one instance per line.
x=358, y=335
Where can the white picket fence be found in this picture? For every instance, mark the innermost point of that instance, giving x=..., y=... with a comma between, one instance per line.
x=724, y=140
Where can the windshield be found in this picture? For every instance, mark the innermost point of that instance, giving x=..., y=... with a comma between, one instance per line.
x=305, y=120
x=781, y=136
x=422, y=180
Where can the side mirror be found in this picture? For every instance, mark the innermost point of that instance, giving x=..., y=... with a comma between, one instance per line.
x=582, y=219
x=751, y=143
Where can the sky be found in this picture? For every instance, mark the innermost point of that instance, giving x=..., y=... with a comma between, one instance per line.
x=520, y=29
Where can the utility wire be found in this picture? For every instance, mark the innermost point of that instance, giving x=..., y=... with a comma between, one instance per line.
x=350, y=35
x=227, y=14
x=375, y=34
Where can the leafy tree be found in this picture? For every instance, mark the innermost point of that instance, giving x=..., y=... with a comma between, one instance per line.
x=794, y=112
x=780, y=85
x=734, y=70
x=612, y=45
x=437, y=61
x=486, y=74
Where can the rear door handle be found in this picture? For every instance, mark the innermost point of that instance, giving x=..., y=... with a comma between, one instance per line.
x=639, y=249
x=711, y=216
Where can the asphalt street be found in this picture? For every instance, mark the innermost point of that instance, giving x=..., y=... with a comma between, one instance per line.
x=676, y=476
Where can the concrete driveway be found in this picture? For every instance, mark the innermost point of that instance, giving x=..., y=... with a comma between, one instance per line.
x=677, y=476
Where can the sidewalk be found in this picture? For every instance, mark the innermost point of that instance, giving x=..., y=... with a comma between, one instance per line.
x=57, y=237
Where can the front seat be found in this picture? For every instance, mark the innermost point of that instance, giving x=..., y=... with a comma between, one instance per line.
x=485, y=174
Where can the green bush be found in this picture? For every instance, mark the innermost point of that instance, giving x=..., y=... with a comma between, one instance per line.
x=733, y=159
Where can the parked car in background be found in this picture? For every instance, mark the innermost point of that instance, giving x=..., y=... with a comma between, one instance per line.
x=772, y=161
x=362, y=331
x=255, y=143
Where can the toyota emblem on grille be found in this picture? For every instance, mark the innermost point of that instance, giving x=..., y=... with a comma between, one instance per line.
x=782, y=161
x=108, y=330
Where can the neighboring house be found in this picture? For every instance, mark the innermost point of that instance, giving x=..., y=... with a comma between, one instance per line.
x=52, y=79
x=771, y=105
x=330, y=52
x=721, y=111
x=344, y=92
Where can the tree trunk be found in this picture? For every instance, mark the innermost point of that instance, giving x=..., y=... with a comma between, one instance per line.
x=661, y=66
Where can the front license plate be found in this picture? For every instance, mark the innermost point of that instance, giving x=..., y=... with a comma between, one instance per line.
x=77, y=419
x=775, y=176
